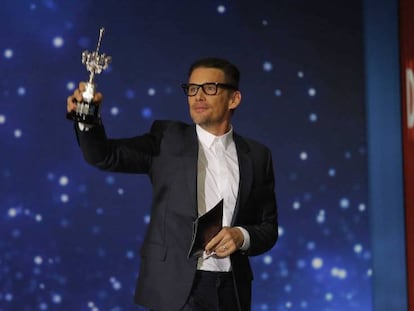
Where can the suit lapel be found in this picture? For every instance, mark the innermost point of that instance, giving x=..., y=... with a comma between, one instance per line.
x=190, y=162
x=246, y=174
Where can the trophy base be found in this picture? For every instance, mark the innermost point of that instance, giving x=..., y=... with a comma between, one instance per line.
x=87, y=113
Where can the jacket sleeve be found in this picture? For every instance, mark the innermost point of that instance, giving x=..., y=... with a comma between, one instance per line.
x=263, y=224
x=131, y=155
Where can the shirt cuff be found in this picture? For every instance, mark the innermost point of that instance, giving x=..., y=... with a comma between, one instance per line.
x=246, y=242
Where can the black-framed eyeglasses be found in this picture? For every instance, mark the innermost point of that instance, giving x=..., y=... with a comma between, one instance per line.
x=209, y=88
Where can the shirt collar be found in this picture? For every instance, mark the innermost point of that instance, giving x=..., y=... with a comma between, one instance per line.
x=208, y=139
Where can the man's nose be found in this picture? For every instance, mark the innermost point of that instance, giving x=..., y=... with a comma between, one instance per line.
x=200, y=94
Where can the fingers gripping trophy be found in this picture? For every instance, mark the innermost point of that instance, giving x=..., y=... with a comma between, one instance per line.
x=86, y=110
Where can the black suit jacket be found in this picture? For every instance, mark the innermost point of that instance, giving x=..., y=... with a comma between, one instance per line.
x=168, y=154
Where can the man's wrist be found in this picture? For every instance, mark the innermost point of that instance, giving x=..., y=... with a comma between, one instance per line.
x=246, y=239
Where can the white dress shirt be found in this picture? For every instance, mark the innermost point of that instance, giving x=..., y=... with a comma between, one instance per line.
x=218, y=178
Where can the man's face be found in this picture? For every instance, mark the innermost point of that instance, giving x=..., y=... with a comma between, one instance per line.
x=212, y=112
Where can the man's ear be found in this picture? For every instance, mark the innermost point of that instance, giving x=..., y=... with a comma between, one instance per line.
x=235, y=100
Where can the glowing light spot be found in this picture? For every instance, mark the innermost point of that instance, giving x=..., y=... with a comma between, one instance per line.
x=288, y=304
x=267, y=259
x=18, y=133
x=8, y=297
x=301, y=263
x=281, y=231
x=267, y=66
x=311, y=92
x=58, y=42
x=130, y=254
x=301, y=74
x=114, y=111
x=38, y=260
x=317, y=263
x=64, y=198
x=70, y=86
x=278, y=92
x=296, y=205
x=331, y=172
x=147, y=219
x=110, y=180
x=339, y=273
x=313, y=117
x=321, y=217
x=265, y=22
x=146, y=113
x=358, y=248
x=120, y=191
x=12, y=212
x=151, y=92
x=328, y=296
x=221, y=9
x=38, y=218
x=311, y=245
x=116, y=285
x=362, y=207
x=344, y=203
x=63, y=181
x=2, y=119
x=303, y=156
x=8, y=53
x=56, y=298
x=21, y=91
x=92, y=306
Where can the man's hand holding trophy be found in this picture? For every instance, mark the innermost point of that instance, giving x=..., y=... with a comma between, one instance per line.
x=83, y=105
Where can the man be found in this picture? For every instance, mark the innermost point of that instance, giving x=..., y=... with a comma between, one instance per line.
x=191, y=168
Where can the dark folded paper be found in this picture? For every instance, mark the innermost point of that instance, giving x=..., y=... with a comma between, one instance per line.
x=205, y=228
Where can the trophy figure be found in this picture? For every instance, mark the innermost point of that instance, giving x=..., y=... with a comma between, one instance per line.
x=86, y=111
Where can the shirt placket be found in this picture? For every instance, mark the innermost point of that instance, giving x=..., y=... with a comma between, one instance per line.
x=222, y=181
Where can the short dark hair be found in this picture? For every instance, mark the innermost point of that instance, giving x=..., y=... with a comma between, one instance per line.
x=231, y=72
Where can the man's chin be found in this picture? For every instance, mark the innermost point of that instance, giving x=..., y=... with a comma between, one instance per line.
x=198, y=120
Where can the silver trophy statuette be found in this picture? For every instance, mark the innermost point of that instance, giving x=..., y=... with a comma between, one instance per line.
x=87, y=112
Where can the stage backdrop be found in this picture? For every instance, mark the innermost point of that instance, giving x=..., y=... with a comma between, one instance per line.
x=70, y=234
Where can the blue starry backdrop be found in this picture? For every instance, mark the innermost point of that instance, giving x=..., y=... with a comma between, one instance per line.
x=70, y=235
